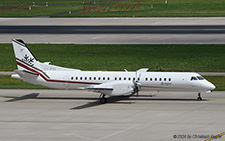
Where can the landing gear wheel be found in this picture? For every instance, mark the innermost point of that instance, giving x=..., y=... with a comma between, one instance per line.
x=199, y=97
x=102, y=99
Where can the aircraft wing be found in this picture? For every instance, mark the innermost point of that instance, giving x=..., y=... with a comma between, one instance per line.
x=100, y=89
x=113, y=88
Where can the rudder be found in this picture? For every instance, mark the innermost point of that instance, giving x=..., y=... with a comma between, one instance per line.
x=23, y=54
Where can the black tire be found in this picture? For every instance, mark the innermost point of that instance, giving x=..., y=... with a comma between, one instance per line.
x=199, y=98
x=103, y=100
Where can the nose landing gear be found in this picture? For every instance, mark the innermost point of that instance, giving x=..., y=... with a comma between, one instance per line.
x=199, y=97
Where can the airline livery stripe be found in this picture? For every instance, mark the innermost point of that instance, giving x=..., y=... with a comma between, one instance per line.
x=51, y=80
x=38, y=71
x=32, y=67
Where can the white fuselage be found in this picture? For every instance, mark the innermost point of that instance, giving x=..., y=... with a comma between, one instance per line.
x=153, y=81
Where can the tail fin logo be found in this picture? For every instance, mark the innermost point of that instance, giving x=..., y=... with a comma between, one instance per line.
x=28, y=59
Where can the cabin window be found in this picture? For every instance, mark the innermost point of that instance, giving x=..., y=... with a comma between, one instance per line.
x=80, y=78
x=150, y=79
x=94, y=78
x=103, y=78
x=89, y=78
x=146, y=79
x=169, y=79
x=108, y=78
x=85, y=78
x=138, y=79
x=119, y=78
x=76, y=78
x=124, y=78
x=155, y=79
x=115, y=78
x=164, y=79
x=133, y=78
x=160, y=79
x=99, y=78
x=129, y=78
x=193, y=78
x=200, y=78
x=71, y=78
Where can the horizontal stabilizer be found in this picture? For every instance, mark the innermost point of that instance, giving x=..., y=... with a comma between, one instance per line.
x=26, y=74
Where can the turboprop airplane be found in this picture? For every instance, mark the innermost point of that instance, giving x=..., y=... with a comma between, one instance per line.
x=107, y=83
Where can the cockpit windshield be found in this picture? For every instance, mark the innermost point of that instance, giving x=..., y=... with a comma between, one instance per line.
x=193, y=78
x=197, y=78
x=200, y=78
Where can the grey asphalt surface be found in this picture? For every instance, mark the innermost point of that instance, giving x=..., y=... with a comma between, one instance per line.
x=199, y=30
x=158, y=21
x=172, y=29
x=50, y=115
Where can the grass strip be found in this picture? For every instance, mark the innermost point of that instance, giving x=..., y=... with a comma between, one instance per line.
x=191, y=58
x=153, y=8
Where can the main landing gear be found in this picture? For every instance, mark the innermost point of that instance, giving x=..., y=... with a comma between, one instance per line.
x=199, y=97
x=102, y=99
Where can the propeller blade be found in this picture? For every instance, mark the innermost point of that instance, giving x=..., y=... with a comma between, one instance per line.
x=137, y=93
x=137, y=83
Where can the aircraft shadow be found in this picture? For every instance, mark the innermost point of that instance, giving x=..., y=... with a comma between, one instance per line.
x=35, y=96
x=113, y=99
x=90, y=104
x=24, y=97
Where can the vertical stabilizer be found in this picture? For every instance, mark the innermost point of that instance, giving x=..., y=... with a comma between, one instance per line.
x=24, y=56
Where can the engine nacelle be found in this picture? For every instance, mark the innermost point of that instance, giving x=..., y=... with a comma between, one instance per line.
x=118, y=88
x=123, y=88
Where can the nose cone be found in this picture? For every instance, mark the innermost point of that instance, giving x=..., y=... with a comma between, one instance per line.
x=210, y=86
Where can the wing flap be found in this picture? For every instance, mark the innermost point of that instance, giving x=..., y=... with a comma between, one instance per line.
x=100, y=89
x=103, y=89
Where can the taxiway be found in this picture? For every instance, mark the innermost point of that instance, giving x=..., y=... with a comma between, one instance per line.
x=77, y=115
x=199, y=30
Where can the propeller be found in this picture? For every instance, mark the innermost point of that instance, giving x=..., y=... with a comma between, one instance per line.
x=136, y=81
x=136, y=90
x=137, y=84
